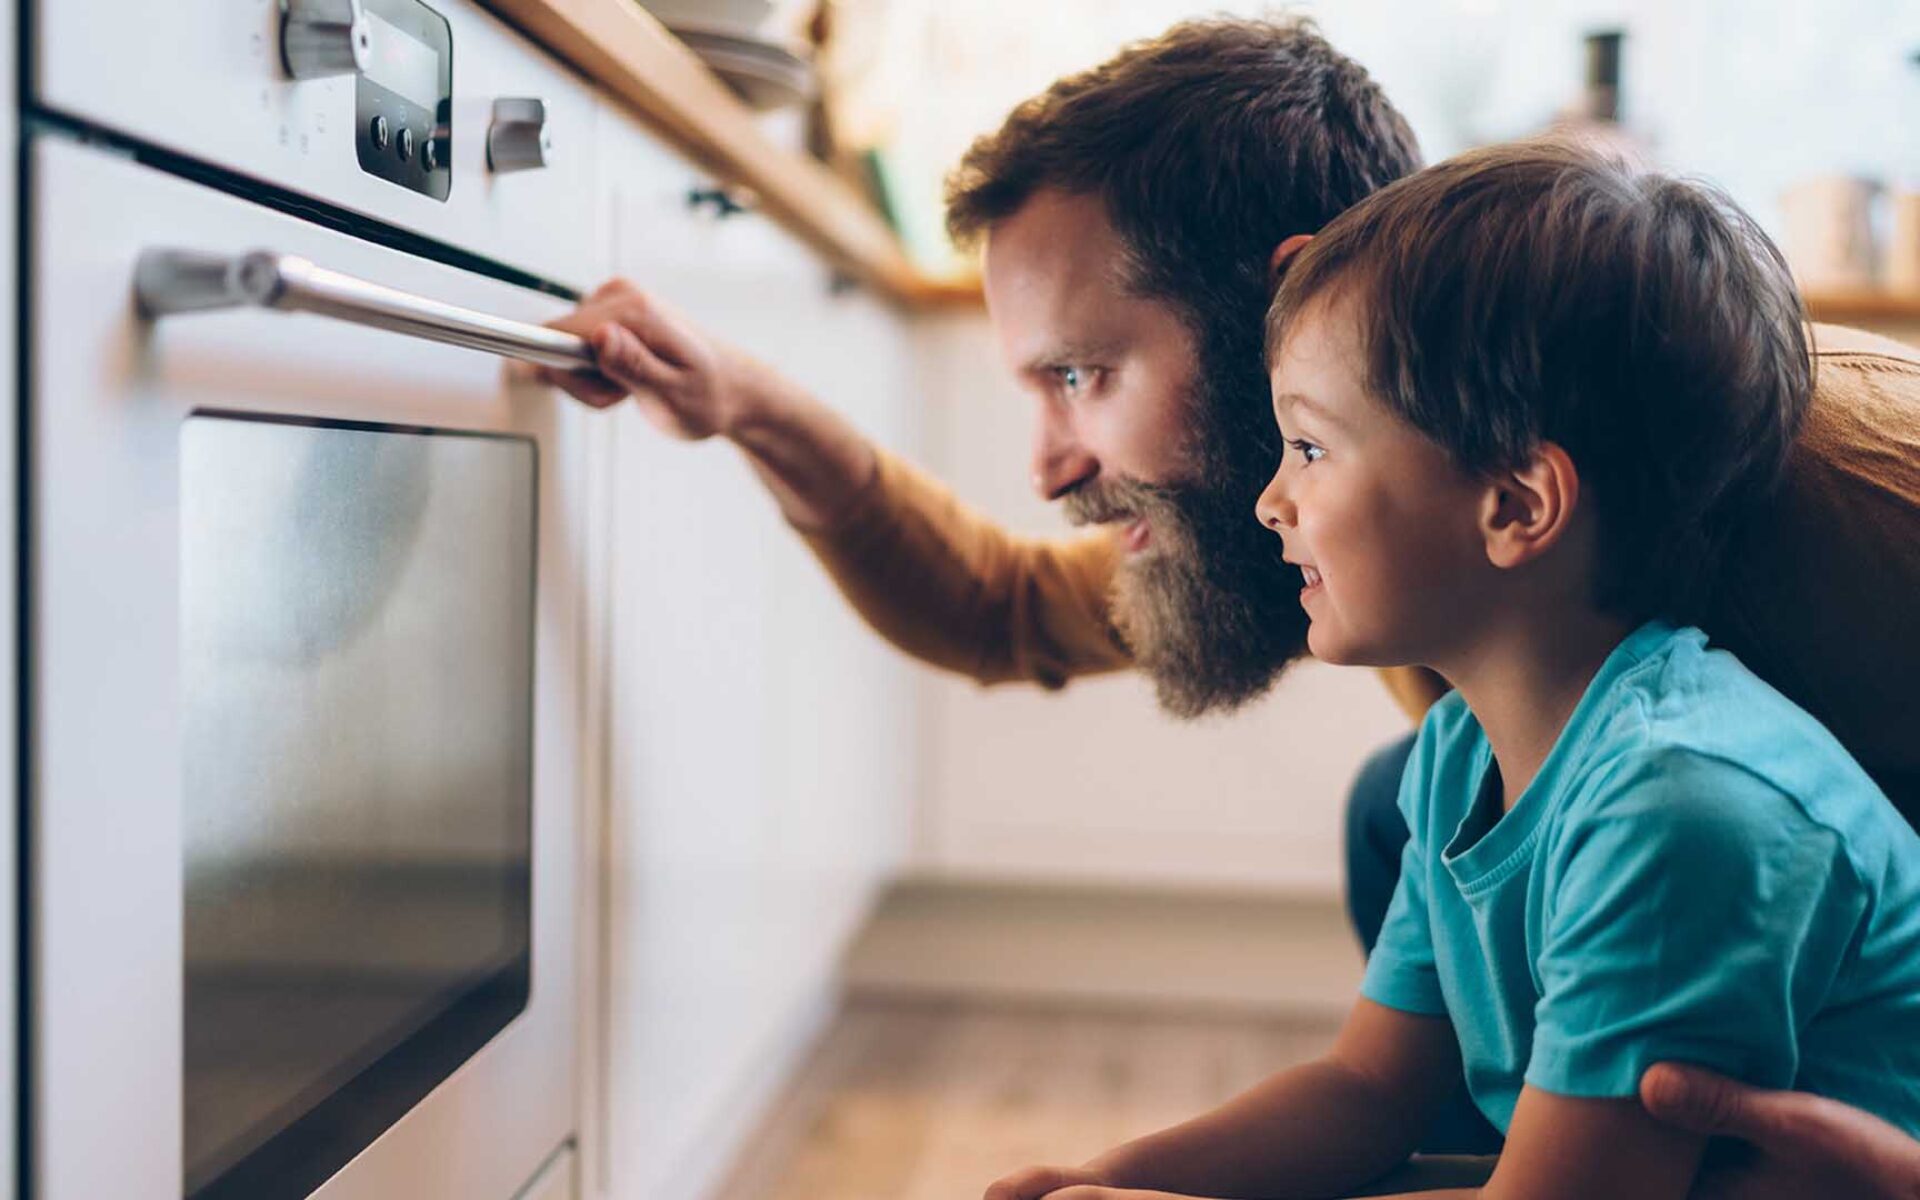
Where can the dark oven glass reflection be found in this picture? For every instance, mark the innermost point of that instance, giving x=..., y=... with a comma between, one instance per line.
x=357, y=608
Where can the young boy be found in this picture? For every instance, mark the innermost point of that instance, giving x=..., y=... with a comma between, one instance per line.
x=1526, y=396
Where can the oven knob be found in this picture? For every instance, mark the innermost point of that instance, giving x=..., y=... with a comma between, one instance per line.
x=430, y=152
x=323, y=37
x=405, y=145
x=379, y=132
x=518, y=139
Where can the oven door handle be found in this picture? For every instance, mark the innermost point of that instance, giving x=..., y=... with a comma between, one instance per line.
x=169, y=281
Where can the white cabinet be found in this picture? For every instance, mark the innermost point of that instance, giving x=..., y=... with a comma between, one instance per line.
x=758, y=749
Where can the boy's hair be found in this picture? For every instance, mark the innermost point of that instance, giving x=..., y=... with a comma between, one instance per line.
x=1542, y=292
x=1207, y=146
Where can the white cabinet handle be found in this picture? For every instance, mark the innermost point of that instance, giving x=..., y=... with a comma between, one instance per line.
x=169, y=281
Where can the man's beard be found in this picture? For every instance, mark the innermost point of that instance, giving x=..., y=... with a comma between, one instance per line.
x=1210, y=610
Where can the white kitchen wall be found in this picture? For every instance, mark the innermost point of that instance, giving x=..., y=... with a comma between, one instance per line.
x=1094, y=784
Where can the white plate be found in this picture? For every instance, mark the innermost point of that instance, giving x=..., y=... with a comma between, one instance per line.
x=765, y=78
x=742, y=16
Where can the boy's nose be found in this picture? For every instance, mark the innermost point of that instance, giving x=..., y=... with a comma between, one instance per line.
x=1275, y=509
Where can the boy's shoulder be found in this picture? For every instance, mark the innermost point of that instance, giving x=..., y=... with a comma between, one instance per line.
x=1685, y=733
x=1449, y=747
x=1673, y=732
x=1447, y=718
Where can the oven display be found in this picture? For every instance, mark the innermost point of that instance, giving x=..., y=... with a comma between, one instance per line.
x=357, y=616
x=403, y=64
x=403, y=100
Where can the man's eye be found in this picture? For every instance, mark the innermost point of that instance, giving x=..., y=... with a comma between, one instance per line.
x=1308, y=451
x=1072, y=379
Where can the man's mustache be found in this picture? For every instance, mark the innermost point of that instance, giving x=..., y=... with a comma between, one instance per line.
x=1122, y=499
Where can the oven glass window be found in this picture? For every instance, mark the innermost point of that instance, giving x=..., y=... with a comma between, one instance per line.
x=357, y=607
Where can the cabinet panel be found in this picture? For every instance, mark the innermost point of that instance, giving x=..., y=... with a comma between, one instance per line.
x=758, y=739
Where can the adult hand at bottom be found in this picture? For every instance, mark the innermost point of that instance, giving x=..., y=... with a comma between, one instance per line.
x=1067, y=1183
x=1802, y=1145
x=1035, y=1182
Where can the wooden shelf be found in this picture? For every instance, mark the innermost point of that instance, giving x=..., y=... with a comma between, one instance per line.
x=948, y=294
x=629, y=54
x=1869, y=306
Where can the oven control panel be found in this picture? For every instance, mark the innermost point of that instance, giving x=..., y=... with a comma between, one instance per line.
x=358, y=105
x=403, y=97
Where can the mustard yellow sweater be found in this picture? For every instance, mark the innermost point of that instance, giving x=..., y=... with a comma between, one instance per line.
x=1821, y=595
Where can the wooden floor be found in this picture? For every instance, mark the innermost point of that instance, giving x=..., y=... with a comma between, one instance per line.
x=932, y=1101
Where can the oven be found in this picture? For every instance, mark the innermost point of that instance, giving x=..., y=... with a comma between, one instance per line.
x=302, y=638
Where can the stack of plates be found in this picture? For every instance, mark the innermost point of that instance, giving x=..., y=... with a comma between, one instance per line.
x=767, y=72
x=739, y=16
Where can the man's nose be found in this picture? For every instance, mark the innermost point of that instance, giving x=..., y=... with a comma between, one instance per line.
x=1275, y=508
x=1060, y=462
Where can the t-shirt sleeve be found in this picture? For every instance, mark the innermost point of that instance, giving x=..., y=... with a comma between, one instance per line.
x=1401, y=972
x=1692, y=912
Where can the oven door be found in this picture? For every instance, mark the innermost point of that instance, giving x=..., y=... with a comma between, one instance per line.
x=303, y=751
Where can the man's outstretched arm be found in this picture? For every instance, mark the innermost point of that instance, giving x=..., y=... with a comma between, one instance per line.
x=933, y=576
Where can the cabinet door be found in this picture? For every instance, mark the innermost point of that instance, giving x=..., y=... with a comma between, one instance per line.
x=758, y=740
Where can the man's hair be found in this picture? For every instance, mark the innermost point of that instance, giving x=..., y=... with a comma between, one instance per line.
x=1207, y=146
x=1543, y=292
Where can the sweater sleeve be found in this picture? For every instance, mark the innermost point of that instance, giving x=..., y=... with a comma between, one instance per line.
x=948, y=586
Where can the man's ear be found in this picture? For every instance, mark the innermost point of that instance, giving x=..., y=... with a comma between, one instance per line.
x=1282, y=255
x=1528, y=510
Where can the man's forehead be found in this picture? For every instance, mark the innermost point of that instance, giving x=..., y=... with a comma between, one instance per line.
x=1057, y=240
x=1054, y=279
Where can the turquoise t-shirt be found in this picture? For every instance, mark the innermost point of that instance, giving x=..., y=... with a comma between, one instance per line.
x=1699, y=872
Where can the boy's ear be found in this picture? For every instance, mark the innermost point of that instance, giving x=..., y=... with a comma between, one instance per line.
x=1529, y=509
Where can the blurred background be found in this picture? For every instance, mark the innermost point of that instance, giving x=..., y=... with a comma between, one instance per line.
x=1762, y=97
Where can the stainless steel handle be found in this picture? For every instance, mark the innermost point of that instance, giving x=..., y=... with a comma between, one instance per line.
x=169, y=281
x=518, y=139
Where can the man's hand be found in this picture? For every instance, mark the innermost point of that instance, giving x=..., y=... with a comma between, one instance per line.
x=691, y=386
x=687, y=384
x=1802, y=1146
x=1066, y=1183
x=1087, y=1191
x=1035, y=1182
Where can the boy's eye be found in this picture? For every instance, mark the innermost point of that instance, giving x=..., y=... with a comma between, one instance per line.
x=1308, y=451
